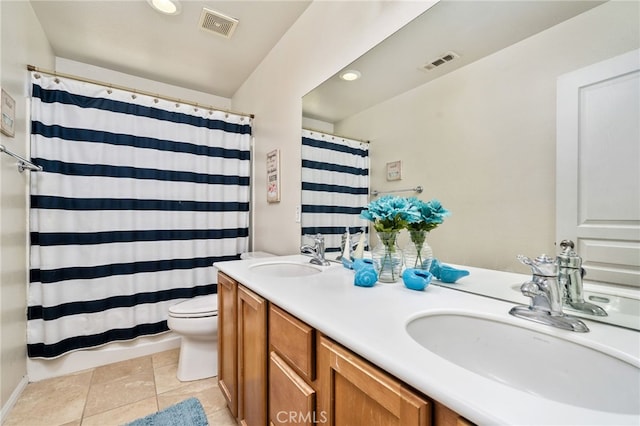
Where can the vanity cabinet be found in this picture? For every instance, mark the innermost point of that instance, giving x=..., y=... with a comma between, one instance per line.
x=274, y=369
x=242, y=346
x=444, y=416
x=355, y=392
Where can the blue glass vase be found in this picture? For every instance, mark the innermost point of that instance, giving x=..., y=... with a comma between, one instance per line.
x=418, y=253
x=387, y=257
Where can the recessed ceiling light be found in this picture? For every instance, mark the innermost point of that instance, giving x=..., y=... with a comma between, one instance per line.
x=168, y=7
x=350, y=75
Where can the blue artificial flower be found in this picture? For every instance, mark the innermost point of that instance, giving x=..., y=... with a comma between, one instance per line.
x=432, y=214
x=390, y=213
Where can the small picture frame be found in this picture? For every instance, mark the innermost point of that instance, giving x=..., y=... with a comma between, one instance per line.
x=8, y=114
x=273, y=176
x=394, y=170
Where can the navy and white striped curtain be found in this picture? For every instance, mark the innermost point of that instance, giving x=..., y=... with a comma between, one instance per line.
x=137, y=199
x=335, y=186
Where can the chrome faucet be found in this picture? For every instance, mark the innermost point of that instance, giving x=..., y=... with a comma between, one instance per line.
x=546, y=296
x=570, y=274
x=316, y=251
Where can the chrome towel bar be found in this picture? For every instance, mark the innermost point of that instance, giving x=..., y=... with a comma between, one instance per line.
x=417, y=189
x=23, y=163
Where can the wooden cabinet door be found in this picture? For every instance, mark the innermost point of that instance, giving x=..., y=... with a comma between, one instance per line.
x=227, y=341
x=354, y=392
x=252, y=358
x=294, y=341
x=444, y=416
x=291, y=399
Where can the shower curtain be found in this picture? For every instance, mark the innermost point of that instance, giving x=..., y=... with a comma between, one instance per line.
x=335, y=186
x=138, y=198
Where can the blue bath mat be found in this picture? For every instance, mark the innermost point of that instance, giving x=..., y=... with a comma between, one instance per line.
x=186, y=413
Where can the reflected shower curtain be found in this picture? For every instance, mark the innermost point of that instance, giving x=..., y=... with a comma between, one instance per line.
x=335, y=186
x=137, y=199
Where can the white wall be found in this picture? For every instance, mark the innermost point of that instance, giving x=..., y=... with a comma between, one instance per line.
x=23, y=42
x=327, y=37
x=482, y=139
x=104, y=75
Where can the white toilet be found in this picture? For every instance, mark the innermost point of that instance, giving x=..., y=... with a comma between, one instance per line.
x=196, y=320
x=255, y=255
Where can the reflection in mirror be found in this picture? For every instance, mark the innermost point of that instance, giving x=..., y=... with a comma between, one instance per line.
x=478, y=132
x=335, y=187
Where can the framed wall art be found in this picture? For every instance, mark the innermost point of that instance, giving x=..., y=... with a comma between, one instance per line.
x=8, y=114
x=394, y=170
x=273, y=176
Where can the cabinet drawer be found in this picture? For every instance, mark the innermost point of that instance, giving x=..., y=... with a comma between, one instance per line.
x=291, y=399
x=293, y=340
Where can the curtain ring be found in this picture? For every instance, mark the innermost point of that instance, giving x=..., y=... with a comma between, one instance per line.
x=57, y=80
x=155, y=100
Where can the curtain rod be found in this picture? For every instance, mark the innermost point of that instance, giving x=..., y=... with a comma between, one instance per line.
x=337, y=136
x=141, y=92
x=23, y=163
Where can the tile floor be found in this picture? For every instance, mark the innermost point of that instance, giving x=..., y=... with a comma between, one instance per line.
x=115, y=394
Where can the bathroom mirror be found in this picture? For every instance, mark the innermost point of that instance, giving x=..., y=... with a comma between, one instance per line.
x=487, y=153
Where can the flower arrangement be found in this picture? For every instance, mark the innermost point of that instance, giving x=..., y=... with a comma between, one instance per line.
x=432, y=214
x=391, y=214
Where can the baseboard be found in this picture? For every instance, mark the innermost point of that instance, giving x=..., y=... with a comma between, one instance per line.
x=13, y=398
x=41, y=369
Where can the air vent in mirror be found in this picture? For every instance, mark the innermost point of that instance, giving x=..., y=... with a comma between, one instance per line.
x=441, y=60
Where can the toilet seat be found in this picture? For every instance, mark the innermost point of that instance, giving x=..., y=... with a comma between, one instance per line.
x=197, y=307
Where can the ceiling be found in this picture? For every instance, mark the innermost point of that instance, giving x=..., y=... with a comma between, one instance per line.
x=471, y=29
x=131, y=37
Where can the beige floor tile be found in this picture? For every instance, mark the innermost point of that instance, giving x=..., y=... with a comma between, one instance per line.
x=222, y=417
x=206, y=390
x=162, y=359
x=51, y=402
x=117, y=393
x=122, y=369
x=124, y=414
x=166, y=378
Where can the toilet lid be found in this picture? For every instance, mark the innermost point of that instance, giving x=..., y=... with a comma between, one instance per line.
x=199, y=306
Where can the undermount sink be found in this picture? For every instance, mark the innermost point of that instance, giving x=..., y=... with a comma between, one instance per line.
x=534, y=362
x=285, y=269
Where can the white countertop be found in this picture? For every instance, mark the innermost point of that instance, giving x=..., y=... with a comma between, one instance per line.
x=371, y=322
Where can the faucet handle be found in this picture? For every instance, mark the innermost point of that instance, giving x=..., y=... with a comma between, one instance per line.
x=542, y=265
x=568, y=258
x=566, y=245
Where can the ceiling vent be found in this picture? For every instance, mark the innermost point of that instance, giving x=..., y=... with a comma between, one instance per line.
x=217, y=23
x=441, y=60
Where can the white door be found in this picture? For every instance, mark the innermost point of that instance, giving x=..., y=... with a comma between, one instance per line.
x=598, y=167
